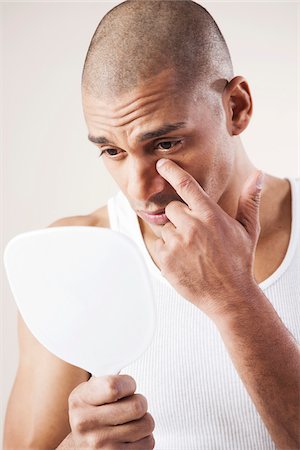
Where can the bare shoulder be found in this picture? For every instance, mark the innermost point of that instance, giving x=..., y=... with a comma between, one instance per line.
x=97, y=218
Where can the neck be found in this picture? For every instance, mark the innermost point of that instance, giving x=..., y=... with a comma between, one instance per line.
x=241, y=170
x=275, y=196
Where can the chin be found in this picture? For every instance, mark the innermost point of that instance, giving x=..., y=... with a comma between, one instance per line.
x=157, y=230
x=152, y=228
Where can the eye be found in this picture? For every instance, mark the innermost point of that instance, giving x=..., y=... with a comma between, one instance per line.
x=167, y=145
x=114, y=152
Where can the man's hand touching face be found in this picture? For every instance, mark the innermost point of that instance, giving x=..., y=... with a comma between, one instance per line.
x=207, y=255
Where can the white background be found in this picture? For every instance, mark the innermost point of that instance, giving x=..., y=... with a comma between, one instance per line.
x=50, y=170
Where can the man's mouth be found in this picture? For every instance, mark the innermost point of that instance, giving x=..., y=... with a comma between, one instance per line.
x=156, y=217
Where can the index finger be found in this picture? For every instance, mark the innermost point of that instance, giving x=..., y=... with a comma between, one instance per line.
x=184, y=184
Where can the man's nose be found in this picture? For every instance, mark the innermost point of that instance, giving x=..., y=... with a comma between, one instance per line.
x=144, y=181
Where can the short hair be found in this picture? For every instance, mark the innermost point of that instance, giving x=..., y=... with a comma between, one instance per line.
x=138, y=39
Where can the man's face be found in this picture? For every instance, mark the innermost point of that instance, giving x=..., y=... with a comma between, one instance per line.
x=156, y=121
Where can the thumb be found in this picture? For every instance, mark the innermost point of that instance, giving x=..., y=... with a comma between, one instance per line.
x=249, y=202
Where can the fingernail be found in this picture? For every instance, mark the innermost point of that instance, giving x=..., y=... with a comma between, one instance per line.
x=160, y=162
x=260, y=180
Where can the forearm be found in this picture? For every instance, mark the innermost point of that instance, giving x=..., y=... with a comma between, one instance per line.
x=267, y=359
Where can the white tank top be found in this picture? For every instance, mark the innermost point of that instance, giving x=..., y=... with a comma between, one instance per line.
x=194, y=393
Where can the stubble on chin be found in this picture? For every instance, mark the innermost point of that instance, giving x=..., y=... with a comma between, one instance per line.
x=150, y=232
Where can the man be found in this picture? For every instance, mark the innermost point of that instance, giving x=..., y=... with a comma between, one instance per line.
x=162, y=104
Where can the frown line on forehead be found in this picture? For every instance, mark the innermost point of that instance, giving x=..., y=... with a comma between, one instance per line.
x=146, y=136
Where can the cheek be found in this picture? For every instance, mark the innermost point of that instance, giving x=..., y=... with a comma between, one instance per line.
x=222, y=167
x=115, y=171
x=211, y=164
x=198, y=159
x=215, y=163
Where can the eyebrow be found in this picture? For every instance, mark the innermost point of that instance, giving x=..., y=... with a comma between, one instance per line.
x=166, y=128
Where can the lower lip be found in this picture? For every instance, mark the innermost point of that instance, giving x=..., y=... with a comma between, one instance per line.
x=156, y=219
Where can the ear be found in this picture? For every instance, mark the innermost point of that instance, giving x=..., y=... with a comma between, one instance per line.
x=237, y=102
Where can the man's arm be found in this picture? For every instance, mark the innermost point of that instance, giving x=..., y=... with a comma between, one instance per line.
x=37, y=412
x=267, y=358
x=208, y=256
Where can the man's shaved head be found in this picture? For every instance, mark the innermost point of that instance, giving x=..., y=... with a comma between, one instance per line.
x=137, y=39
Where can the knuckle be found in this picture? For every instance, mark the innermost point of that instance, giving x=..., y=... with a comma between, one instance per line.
x=168, y=232
x=256, y=197
x=184, y=183
x=190, y=234
x=209, y=217
x=175, y=242
x=130, y=380
x=112, y=387
x=74, y=400
x=99, y=440
x=173, y=249
x=149, y=422
x=139, y=405
x=253, y=202
x=148, y=442
x=104, y=438
x=152, y=442
x=78, y=424
x=93, y=441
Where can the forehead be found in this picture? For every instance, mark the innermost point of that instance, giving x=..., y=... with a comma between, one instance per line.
x=148, y=106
